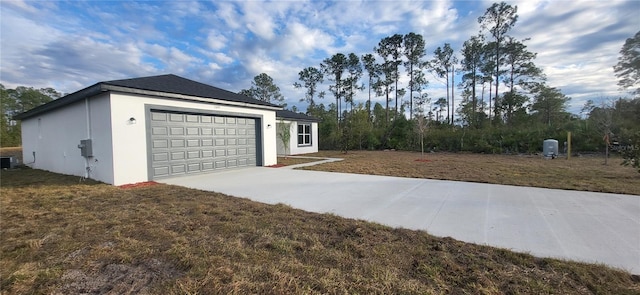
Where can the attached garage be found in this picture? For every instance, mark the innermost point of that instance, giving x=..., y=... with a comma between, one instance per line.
x=194, y=143
x=141, y=129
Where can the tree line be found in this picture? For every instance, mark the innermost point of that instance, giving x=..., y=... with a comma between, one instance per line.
x=499, y=79
x=504, y=102
x=16, y=101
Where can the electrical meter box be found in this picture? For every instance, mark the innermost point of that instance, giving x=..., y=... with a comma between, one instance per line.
x=86, y=148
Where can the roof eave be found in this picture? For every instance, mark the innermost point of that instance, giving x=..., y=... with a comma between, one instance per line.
x=60, y=102
x=189, y=97
x=102, y=87
x=314, y=120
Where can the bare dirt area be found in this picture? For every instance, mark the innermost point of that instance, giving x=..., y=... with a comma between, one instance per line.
x=59, y=236
x=586, y=173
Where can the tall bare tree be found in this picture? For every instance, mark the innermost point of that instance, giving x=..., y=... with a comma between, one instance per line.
x=390, y=49
x=310, y=77
x=414, y=52
x=373, y=70
x=521, y=72
x=354, y=69
x=470, y=65
x=498, y=20
x=334, y=67
x=442, y=64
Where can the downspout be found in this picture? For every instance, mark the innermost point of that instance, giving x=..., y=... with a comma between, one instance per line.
x=87, y=108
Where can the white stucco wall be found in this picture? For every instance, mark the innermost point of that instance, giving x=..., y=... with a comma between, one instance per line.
x=119, y=147
x=294, y=149
x=130, y=163
x=54, y=137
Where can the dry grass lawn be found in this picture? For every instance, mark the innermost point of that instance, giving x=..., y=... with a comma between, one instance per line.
x=579, y=173
x=59, y=236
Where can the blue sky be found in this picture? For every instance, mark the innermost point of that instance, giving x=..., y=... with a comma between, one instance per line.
x=69, y=45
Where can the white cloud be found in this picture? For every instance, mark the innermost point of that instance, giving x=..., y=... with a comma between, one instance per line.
x=222, y=58
x=72, y=44
x=21, y=5
x=258, y=20
x=300, y=40
x=216, y=41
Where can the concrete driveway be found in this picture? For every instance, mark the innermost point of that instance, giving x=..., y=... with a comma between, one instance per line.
x=583, y=226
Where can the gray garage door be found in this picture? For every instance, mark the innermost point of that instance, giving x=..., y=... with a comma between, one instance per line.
x=194, y=143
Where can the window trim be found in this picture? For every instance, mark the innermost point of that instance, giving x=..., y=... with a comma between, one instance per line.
x=304, y=134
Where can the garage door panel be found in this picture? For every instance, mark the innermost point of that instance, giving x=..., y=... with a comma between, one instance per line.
x=177, y=155
x=206, y=166
x=178, y=169
x=159, y=131
x=176, y=131
x=193, y=130
x=161, y=171
x=160, y=143
x=177, y=143
x=158, y=116
x=193, y=167
x=184, y=143
x=160, y=157
x=221, y=164
x=192, y=118
x=176, y=117
x=193, y=142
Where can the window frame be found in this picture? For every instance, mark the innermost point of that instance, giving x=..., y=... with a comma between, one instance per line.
x=305, y=136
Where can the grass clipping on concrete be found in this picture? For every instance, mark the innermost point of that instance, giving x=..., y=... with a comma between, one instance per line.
x=59, y=236
x=586, y=173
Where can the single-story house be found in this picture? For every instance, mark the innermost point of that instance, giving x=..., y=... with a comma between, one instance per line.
x=303, y=133
x=142, y=129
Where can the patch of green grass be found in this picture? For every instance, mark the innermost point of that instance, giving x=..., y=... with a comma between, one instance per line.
x=61, y=236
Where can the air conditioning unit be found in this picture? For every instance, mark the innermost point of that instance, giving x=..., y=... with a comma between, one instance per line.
x=8, y=162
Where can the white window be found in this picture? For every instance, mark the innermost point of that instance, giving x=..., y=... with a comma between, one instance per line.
x=304, y=134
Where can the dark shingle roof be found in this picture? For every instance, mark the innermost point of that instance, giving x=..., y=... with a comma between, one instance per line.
x=285, y=114
x=169, y=84
x=179, y=85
